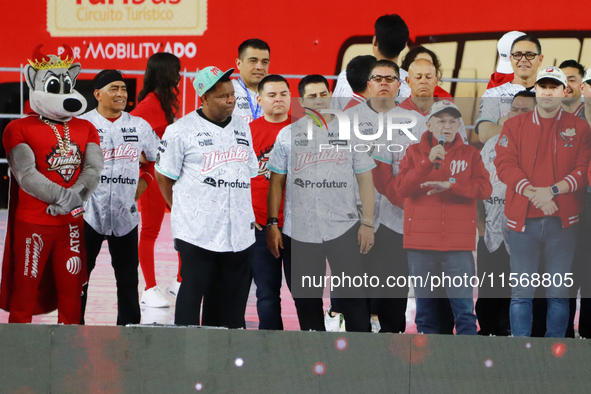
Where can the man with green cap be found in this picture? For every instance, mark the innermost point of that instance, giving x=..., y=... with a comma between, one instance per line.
x=203, y=168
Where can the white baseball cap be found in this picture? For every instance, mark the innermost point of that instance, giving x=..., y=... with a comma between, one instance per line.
x=552, y=72
x=587, y=76
x=444, y=106
x=504, y=49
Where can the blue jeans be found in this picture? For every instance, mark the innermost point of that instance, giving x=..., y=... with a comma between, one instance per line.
x=266, y=271
x=451, y=264
x=542, y=236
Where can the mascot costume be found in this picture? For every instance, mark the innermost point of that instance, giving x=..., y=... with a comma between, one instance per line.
x=55, y=161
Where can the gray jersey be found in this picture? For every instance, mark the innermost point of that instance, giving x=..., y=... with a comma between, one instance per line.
x=343, y=90
x=496, y=221
x=392, y=152
x=112, y=210
x=212, y=167
x=496, y=102
x=320, y=192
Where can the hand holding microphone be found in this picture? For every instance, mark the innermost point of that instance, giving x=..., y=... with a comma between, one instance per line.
x=438, y=152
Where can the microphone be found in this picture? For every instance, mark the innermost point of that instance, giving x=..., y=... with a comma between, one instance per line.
x=441, y=140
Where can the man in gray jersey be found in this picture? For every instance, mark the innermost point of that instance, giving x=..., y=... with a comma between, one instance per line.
x=321, y=218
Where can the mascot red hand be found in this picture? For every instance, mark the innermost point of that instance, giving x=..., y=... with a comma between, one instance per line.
x=55, y=161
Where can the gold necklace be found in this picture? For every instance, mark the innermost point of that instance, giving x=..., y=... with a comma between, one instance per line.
x=63, y=144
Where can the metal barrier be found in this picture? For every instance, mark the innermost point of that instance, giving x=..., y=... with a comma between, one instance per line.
x=185, y=74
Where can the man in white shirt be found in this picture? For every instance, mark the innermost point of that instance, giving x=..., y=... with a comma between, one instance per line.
x=390, y=38
x=253, y=65
x=111, y=211
x=204, y=166
x=526, y=58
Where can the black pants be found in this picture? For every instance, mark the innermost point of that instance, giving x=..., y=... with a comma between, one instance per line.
x=308, y=259
x=390, y=260
x=220, y=279
x=124, y=259
x=492, y=307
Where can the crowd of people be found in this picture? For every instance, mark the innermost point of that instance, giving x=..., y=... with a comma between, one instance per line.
x=260, y=187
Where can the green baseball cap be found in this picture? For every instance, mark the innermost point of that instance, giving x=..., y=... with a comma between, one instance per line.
x=208, y=77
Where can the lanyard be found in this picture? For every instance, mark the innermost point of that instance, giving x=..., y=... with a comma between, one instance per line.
x=257, y=110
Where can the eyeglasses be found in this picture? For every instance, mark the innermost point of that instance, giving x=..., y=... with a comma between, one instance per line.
x=528, y=55
x=388, y=78
x=451, y=122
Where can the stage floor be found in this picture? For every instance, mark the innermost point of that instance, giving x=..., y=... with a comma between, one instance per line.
x=102, y=297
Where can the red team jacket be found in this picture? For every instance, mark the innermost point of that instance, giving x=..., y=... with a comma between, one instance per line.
x=517, y=155
x=444, y=221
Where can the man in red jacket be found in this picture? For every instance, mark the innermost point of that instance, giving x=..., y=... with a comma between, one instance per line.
x=440, y=216
x=542, y=157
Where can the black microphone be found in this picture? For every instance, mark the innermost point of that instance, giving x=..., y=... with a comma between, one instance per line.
x=441, y=140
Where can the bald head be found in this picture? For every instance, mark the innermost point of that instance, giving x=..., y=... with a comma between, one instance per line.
x=422, y=78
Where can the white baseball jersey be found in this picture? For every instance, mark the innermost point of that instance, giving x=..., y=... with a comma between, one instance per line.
x=112, y=210
x=212, y=167
x=496, y=102
x=243, y=105
x=496, y=221
x=320, y=192
x=343, y=89
x=392, y=152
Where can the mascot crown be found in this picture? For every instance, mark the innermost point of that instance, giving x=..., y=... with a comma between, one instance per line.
x=45, y=62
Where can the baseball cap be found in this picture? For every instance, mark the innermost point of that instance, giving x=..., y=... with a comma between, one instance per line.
x=444, y=106
x=208, y=77
x=552, y=72
x=587, y=76
x=504, y=49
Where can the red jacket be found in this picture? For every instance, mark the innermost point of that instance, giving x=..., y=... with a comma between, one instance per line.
x=444, y=221
x=517, y=154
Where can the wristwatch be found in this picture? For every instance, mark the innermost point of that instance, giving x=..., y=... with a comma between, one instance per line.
x=272, y=221
x=554, y=189
x=452, y=182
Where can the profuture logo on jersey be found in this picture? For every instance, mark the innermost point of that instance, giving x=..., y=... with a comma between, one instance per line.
x=65, y=165
x=307, y=159
x=325, y=184
x=222, y=183
x=122, y=152
x=216, y=158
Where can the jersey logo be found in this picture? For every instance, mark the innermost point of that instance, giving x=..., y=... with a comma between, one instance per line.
x=569, y=136
x=307, y=159
x=209, y=181
x=216, y=158
x=65, y=165
x=127, y=152
x=207, y=142
x=264, y=161
x=242, y=141
x=458, y=166
x=504, y=141
x=130, y=138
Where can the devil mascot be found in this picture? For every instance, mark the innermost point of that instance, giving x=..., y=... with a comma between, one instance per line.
x=55, y=161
